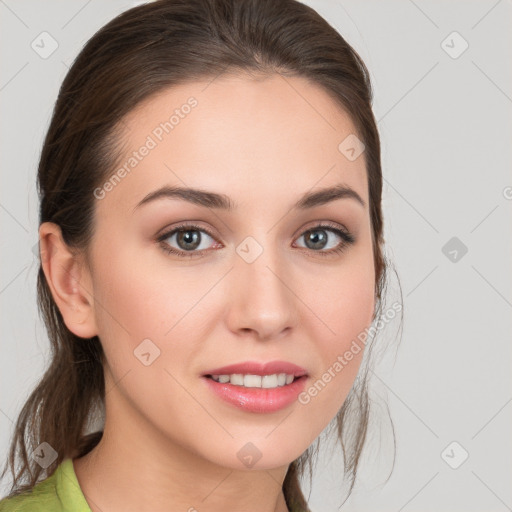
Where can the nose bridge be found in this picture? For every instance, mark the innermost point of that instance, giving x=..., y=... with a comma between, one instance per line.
x=263, y=301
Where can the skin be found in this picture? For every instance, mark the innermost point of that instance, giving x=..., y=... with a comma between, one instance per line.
x=169, y=443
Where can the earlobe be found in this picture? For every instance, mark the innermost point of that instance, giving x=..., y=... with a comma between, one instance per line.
x=68, y=280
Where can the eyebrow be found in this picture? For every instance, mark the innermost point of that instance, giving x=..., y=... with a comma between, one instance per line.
x=224, y=202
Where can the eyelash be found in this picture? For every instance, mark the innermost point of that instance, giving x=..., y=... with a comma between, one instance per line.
x=348, y=239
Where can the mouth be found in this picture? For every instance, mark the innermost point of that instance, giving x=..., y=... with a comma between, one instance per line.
x=256, y=387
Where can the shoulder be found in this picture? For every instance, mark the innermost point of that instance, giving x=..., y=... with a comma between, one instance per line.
x=60, y=492
x=42, y=498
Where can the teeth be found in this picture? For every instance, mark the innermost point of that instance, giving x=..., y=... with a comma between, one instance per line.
x=255, y=381
x=237, y=379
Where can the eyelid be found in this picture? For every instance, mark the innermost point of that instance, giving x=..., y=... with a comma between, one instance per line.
x=192, y=224
x=317, y=224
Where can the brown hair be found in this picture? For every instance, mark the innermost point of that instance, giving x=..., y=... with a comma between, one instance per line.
x=136, y=55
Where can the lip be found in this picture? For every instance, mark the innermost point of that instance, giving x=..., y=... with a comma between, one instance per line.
x=257, y=400
x=256, y=368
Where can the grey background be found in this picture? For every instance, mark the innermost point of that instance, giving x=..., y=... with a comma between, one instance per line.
x=445, y=127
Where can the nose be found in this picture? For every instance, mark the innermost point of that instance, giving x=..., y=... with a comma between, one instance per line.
x=262, y=299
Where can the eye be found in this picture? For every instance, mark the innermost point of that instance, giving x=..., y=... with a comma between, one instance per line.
x=192, y=240
x=317, y=239
x=189, y=238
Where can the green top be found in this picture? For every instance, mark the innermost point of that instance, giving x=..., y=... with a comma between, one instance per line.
x=60, y=492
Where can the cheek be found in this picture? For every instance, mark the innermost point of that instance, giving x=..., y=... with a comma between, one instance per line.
x=346, y=313
x=135, y=296
x=344, y=298
x=344, y=301
x=144, y=300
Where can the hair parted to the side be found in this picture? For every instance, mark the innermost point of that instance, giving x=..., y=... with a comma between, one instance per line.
x=139, y=53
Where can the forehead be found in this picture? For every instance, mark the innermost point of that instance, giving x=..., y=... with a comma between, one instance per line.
x=274, y=137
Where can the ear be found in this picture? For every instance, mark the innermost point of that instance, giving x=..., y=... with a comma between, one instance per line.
x=69, y=281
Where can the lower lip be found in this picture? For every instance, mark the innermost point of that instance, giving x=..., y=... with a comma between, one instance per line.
x=261, y=400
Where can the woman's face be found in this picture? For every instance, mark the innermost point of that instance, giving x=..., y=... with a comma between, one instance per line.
x=251, y=285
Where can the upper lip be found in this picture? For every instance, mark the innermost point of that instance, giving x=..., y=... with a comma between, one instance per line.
x=256, y=368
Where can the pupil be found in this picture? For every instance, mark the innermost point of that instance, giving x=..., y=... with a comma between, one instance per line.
x=187, y=238
x=318, y=241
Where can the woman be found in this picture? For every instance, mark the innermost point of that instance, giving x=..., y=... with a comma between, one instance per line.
x=211, y=243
